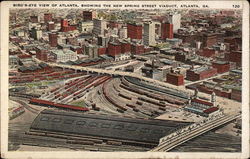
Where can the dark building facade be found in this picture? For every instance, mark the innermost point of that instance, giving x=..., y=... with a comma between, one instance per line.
x=137, y=49
x=236, y=95
x=50, y=26
x=209, y=39
x=207, y=52
x=235, y=56
x=175, y=79
x=47, y=17
x=41, y=54
x=221, y=66
x=65, y=27
x=125, y=47
x=134, y=31
x=167, y=31
x=88, y=15
x=53, y=39
x=114, y=49
x=200, y=74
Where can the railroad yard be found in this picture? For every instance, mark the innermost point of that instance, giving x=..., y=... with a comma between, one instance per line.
x=101, y=94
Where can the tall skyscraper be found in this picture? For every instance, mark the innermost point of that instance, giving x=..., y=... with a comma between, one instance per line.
x=149, y=34
x=175, y=19
x=99, y=27
x=53, y=39
x=167, y=31
x=134, y=31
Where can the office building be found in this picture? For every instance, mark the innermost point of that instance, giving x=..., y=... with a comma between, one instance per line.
x=99, y=27
x=134, y=31
x=64, y=55
x=86, y=27
x=167, y=31
x=50, y=26
x=88, y=15
x=175, y=78
x=53, y=39
x=149, y=34
x=175, y=19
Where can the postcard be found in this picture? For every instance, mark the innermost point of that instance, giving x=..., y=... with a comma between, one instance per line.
x=124, y=79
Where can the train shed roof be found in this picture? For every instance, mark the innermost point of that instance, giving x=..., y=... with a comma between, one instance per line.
x=103, y=126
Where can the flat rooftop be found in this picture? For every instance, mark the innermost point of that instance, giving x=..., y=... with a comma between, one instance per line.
x=103, y=126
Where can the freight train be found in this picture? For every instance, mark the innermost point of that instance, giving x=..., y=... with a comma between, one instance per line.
x=41, y=102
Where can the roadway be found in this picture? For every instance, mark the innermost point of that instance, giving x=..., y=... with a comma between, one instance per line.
x=131, y=74
x=123, y=65
x=111, y=72
x=206, y=79
x=185, y=135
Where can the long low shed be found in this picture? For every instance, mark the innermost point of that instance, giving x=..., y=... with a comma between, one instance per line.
x=105, y=127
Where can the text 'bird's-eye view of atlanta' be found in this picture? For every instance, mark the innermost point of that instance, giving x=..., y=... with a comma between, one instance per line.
x=125, y=80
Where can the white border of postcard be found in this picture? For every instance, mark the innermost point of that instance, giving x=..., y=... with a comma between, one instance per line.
x=5, y=6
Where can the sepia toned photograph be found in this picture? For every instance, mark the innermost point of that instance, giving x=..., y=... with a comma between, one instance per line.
x=125, y=77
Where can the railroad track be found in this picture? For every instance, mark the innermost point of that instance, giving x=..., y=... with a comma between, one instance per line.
x=29, y=108
x=61, y=143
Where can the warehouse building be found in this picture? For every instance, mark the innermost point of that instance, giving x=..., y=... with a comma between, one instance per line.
x=195, y=74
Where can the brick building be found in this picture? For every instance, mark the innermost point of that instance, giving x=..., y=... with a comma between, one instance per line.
x=200, y=73
x=180, y=57
x=69, y=28
x=50, y=26
x=208, y=40
x=134, y=31
x=102, y=51
x=65, y=27
x=114, y=49
x=218, y=90
x=125, y=47
x=236, y=94
x=167, y=31
x=234, y=56
x=115, y=24
x=53, y=39
x=175, y=79
x=207, y=52
x=42, y=53
x=221, y=66
x=234, y=42
x=47, y=17
x=88, y=15
x=137, y=49
x=187, y=37
x=64, y=23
